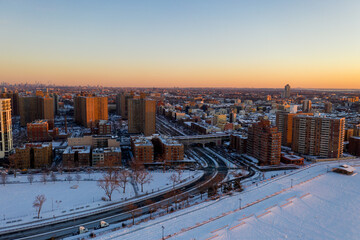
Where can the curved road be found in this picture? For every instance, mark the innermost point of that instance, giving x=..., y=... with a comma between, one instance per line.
x=63, y=228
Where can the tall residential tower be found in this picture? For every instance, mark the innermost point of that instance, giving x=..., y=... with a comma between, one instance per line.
x=6, y=140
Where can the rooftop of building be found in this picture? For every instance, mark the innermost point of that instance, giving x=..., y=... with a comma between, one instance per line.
x=107, y=149
x=79, y=149
x=141, y=141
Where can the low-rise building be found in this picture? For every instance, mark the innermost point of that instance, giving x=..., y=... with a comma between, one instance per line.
x=142, y=149
x=32, y=155
x=110, y=156
x=167, y=149
x=292, y=159
x=76, y=156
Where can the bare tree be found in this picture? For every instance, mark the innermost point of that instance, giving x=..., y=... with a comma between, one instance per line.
x=3, y=178
x=109, y=183
x=69, y=178
x=30, y=178
x=123, y=177
x=53, y=177
x=38, y=203
x=174, y=179
x=78, y=177
x=180, y=171
x=89, y=171
x=143, y=177
x=44, y=177
x=61, y=170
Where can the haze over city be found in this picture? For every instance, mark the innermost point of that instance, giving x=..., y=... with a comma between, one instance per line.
x=309, y=44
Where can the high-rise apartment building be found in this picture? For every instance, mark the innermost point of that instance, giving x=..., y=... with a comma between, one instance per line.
x=318, y=136
x=88, y=110
x=287, y=91
x=328, y=107
x=14, y=96
x=306, y=106
x=264, y=143
x=35, y=107
x=122, y=103
x=142, y=116
x=284, y=123
x=6, y=140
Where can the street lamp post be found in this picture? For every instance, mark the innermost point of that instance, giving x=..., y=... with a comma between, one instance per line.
x=163, y=228
x=292, y=183
x=240, y=203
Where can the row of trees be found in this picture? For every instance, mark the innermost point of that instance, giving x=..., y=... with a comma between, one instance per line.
x=115, y=178
x=44, y=178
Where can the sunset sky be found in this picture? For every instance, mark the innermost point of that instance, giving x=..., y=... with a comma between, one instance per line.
x=181, y=43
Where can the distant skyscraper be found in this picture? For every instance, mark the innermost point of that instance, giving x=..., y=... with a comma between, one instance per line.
x=318, y=136
x=88, y=110
x=142, y=116
x=264, y=143
x=287, y=91
x=6, y=140
x=306, y=107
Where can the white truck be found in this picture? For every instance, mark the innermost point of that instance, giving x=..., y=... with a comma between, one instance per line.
x=103, y=224
x=83, y=229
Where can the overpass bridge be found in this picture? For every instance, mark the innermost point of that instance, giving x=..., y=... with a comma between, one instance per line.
x=216, y=138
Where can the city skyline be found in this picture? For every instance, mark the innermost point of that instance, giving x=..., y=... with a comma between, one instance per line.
x=233, y=44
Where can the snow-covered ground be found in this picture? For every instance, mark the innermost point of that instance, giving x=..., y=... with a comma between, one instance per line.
x=62, y=197
x=319, y=205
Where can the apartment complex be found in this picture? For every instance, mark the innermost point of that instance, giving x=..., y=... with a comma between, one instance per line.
x=318, y=136
x=38, y=131
x=142, y=149
x=76, y=156
x=6, y=139
x=110, y=156
x=32, y=155
x=141, y=113
x=328, y=107
x=122, y=103
x=14, y=96
x=88, y=110
x=167, y=149
x=238, y=142
x=264, y=143
x=32, y=108
x=284, y=123
x=306, y=106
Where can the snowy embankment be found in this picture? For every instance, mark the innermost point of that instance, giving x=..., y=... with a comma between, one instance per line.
x=310, y=203
x=64, y=198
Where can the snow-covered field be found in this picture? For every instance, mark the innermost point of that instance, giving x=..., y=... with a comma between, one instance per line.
x=320, y=205
x=62, y=197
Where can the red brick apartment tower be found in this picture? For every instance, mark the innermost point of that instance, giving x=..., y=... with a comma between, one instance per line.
x=264, y=143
